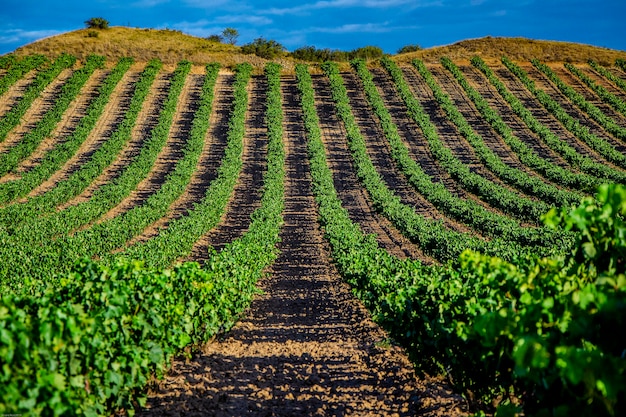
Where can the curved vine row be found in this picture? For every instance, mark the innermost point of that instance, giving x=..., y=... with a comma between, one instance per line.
x=553, y=141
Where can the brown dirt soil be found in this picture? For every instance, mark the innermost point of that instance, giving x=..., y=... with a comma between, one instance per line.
x=517, y=88
x=15, y=92
x=186, y=106
x=604, y=82
x=68, y=123
x=542, y=82
x=580, y=87
x=449, y=135
x=379, y=151
x=306, y=347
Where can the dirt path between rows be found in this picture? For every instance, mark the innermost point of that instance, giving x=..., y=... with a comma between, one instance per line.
x=208, y=163
x=306, y=347
x=171, y=153
x=68, y=123
x=543, y=83
x=583, y=89
x=379, y=149
x=15, y=92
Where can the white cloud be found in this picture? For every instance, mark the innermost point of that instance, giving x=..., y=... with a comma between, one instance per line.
x=206, y=27
x=148, y=3
x=251, y=19
x=370, y=4
x=355, y=28
x=220, y=21
x=24, y=36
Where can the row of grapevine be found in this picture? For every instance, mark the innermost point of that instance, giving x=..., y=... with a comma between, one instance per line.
x=20, y=68
x=13, y=216
x=44, y=77
x=432, y=236
x=600, y=145
x=177, y=240
x=530, y=158
x=608, y=75
x=570, y=154
x=530, y=330
x=44, y=126
x=602, y=92
x=596, y=114
x=515, y=177
x=467, y=211
x=86, y=337
x=91, y=341
x=62, y=152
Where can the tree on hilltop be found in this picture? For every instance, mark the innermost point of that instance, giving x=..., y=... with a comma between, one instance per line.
x=230, y=35
x=97, y=23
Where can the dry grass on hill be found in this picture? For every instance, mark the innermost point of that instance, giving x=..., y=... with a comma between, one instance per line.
x=517, y=49
x=172, y=46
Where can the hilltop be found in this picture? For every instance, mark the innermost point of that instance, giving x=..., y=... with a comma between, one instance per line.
x=170, y=46
x=518, y=49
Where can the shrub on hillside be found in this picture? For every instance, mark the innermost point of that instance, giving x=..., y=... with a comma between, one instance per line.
x=97, y=23
x=409, y=48
x=268, y=49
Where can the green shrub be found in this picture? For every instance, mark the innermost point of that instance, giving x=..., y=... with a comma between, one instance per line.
x=97, y=23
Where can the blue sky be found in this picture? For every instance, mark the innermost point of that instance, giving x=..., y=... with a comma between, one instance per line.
x=334, y=24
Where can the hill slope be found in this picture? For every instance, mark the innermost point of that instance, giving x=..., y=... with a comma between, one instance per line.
x=170, y=46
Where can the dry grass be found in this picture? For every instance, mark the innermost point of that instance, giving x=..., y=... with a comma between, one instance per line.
x=172, y=46
x=518, y=49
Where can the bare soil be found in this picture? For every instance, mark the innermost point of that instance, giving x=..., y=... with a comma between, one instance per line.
x=416, y=144
x=542, y=115
x=449, y=135
x=602, y=81
x=581, y=88
x=15, y=92
x=188, y=103
x=305, y=347
x=68, y=123
x=542, y=82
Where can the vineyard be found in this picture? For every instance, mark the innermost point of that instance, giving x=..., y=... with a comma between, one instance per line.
x=221, y=240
